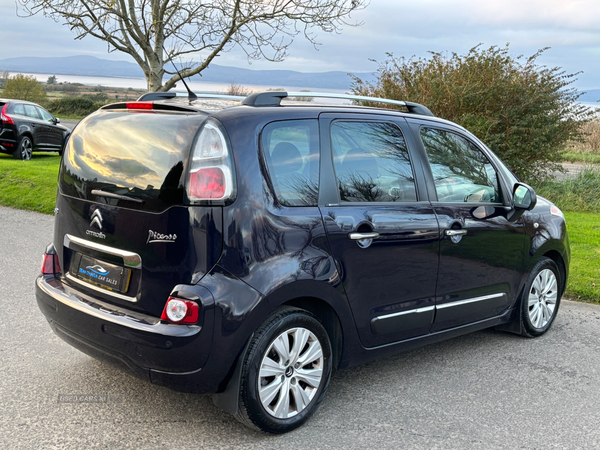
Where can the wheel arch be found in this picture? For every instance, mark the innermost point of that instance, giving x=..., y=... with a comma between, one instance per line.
x=558, y=259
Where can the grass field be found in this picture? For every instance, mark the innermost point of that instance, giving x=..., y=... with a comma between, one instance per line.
x=584, y=278
x=30, y=184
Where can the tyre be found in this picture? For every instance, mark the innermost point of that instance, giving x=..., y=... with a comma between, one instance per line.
x=541, y=298
x=285, y=373
x=24, y=149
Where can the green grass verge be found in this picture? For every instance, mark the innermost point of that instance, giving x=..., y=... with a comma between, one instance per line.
x=586, y=158
x=584, y=274
x=30, y=184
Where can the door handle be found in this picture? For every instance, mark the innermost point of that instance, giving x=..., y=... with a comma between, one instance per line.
x=360, y=236
x=456, y=232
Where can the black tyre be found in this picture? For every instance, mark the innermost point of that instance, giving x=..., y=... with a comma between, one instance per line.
x=24, y=149
x=285, y=373
x=541, y=298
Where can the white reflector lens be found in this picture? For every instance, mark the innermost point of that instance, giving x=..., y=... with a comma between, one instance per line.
x=176, y=310
x=211, y=144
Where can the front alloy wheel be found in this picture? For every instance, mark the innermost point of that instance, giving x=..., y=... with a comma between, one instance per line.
x=541, y=298
x=285, y=372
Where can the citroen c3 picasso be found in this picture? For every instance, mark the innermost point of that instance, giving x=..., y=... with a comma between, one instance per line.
x=248, y=251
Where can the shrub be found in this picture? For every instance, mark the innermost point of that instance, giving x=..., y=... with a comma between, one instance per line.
x=525, y=112
x=23, y=87
x=74, y=106
x=579, y=194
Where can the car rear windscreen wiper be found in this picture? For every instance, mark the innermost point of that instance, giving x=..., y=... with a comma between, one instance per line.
x=113, y=195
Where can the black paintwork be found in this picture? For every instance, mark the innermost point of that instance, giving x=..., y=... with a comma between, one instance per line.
x=243, y=260
x=46, y=135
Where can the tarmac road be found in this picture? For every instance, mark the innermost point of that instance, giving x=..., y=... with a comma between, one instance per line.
x=486, y=390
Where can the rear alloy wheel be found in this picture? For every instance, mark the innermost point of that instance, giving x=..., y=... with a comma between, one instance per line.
x=541, y=298
x=24, y=149
x=286, y=372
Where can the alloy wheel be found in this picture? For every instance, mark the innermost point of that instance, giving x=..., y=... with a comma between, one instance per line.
x=290, y=373
x=26, y=149
x=542, y=298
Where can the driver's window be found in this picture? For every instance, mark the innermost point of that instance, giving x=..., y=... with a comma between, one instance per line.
x=45, y=115
x=461, y=172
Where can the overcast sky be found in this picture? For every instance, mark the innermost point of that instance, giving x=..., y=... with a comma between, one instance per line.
x=403, y=27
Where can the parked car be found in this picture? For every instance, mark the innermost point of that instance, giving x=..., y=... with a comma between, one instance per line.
x=26, y=127
x=249, y=251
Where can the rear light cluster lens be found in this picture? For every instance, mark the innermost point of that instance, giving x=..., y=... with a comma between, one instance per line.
x=4, y=117
x=50, y=264
x=211, y=175
x=178, y=310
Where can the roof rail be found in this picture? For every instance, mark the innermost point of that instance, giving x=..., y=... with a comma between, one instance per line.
x=167, y=95
x=274, y=98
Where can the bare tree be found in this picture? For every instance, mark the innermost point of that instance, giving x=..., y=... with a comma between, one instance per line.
x=204, y=28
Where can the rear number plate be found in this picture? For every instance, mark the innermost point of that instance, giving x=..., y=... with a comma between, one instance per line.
x=103, y=274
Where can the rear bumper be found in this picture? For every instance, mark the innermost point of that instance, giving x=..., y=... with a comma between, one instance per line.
x=174, y=356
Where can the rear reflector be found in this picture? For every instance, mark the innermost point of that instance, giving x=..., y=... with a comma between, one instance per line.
x=50, y=264
x=140, y=105
x=178, y=310
x=208, y=183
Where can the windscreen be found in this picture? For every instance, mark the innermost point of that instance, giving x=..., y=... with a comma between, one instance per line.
x=135, y=155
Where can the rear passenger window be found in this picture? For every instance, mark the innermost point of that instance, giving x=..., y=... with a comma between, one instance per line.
x=291, y=150
x=372, y=163
x=30, y=111
x=18, y=109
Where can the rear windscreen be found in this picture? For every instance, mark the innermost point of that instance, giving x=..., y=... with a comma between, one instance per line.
x=134, y=155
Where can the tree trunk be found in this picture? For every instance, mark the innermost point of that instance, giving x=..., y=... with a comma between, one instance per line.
x=154, y=78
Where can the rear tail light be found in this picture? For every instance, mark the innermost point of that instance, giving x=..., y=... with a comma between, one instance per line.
x=178, y=310
x=50, y=264
x=4, y=117
x=211, y=174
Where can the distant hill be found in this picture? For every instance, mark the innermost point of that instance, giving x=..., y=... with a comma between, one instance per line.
x=92, y=66
x=591, y=95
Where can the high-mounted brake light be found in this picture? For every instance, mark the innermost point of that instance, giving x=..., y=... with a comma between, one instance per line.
x=211, y=174
x=50, y=264
x=178, y=310
x=140, y=105
x=4, y=117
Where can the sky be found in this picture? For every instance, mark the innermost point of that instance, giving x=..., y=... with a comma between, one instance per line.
x=571, y=28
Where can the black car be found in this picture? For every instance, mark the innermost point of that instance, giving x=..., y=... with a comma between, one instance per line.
x=249, y=251
x=26, y=127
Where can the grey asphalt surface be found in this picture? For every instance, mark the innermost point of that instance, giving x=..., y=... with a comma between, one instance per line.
x=485, y=390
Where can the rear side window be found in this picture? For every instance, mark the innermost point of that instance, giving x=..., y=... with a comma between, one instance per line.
x=130, y=153
x=30, y=111
x=371, y=162
x=291, y=150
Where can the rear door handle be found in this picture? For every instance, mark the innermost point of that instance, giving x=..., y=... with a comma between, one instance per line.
x=456, y=232
x=359, y=236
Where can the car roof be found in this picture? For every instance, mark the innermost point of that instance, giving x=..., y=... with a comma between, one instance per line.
x=14, y=100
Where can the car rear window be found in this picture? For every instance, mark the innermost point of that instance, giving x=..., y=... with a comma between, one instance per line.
x=132, y=154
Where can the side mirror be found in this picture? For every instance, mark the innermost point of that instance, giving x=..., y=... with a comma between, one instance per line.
x=524, y=197
x=56, y=120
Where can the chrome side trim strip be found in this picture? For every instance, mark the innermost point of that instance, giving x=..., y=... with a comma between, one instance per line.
x=410, y=311
x=71, y=278
x=130, y=259
x=470, y=300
